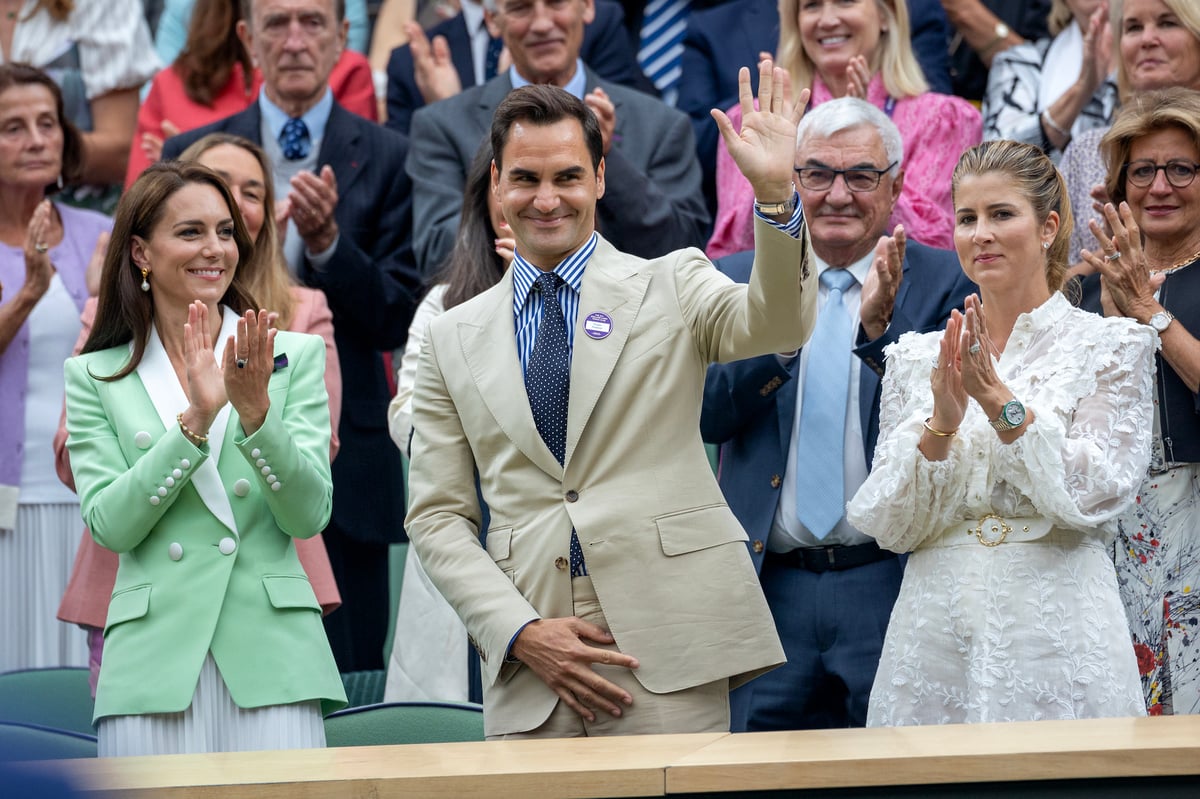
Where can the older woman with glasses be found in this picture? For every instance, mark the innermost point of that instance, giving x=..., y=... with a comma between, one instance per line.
x=1153, y=152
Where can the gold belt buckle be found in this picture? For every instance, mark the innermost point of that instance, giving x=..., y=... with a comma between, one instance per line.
x=998, y=525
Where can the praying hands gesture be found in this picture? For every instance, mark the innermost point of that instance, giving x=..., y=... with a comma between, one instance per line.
x=765, y=148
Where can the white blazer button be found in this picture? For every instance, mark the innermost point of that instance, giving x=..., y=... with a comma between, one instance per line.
x=265, y=470
x=170, y=481
x=177, y=473
x=272, y=479
x=227, y=545
x=276, y=486
x=141, y=439
x=261, y=462
x=154, y=500
x=254, y=453
x=175, y=551
x=185, y=463
x=241, y=487
x=162, y=492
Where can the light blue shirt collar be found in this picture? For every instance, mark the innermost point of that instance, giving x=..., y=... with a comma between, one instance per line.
x=316, y=118
x=577, y=86
x=570, y=270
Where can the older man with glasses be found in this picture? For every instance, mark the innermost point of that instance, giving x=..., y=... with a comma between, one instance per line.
x=797, y=430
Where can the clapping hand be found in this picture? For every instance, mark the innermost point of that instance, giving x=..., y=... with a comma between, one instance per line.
x=765, y=148
x=1127, y=287
x=38, y=269
x=204, y=382
x=882, y=283
x=249, y=360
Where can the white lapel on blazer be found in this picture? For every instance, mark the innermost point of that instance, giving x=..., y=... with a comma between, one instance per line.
x=162, y=385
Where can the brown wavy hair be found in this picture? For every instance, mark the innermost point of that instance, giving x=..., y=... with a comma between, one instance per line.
x=206, y=61
x=124, y=312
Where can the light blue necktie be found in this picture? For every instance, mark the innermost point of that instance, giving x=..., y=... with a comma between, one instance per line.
x=660, y=47
x=821, y=439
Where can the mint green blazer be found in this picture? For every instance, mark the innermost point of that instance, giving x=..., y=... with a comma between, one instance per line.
x=207, y=561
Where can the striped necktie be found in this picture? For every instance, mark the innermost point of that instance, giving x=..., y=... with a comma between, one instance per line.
x=660, y=52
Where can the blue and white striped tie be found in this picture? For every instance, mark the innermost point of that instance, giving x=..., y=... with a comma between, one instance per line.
x=661, y=52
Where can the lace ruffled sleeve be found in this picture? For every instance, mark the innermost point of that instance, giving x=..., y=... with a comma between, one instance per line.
x=1082, y=467
x=907, y=497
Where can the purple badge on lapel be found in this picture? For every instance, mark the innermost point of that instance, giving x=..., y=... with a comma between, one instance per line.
x=597, y=325
x=281, y=362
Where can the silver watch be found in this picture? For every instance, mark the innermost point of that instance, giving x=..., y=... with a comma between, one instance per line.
x=1012, y=416
x=1161, y=320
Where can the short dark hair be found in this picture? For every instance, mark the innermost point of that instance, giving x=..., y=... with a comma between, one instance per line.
x=19, y=74
x=544, y=105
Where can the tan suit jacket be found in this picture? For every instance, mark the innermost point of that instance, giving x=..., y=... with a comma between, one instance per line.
x=666, y=555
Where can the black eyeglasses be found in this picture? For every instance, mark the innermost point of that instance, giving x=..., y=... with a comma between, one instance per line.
x=1179, y=173
x=821, y=178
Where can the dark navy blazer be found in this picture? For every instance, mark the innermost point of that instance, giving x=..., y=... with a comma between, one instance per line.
x=606, y=49
x=750, y=405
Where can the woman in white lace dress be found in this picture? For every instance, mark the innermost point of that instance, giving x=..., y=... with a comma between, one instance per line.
x=1008, y=447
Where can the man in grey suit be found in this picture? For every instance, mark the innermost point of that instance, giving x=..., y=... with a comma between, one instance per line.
x=653, y=205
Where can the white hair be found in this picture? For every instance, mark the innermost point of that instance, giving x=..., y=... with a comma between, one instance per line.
x=844, y=113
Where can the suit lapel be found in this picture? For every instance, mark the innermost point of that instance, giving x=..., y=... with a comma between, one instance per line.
x=340, y=149
x=611, y=285
x=162, y=386
x=490, y=350
x=458, y=38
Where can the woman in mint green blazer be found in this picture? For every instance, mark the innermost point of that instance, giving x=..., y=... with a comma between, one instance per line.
x=199, y=441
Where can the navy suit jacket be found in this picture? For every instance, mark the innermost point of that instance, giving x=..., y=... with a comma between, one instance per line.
x=723, y=39
x=750, y=406
x=372, y=286
x=605, y=49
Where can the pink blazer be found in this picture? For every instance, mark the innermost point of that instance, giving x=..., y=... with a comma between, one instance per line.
x=95, y=571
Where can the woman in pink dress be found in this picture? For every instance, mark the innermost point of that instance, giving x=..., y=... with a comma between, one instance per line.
x=861, y=48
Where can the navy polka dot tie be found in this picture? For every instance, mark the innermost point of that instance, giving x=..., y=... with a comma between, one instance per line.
x=294, y=140
x=548, y=384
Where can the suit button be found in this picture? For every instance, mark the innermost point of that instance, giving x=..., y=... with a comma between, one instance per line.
x=175, y=551
x=758, y=547
x=261, y=462
x=276, y=486
x=141, y=439
x=254, y=453
x=561, y=563
x=241, y=487
x=169, y=482
x=162, y=492
x=154, y=500
x=265, y=470
x=572, y=495
x=227, y=545
x=177, y=473
x=776, y=481
x=185, y=463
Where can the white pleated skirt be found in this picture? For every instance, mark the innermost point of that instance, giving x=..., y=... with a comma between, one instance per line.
x=213, y=723
x=35, y=563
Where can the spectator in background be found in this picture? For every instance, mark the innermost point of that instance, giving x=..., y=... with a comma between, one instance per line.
x=1157, y=47
x=100, y=53
x=1045, y=92
x=45, y=251
x=469, y=54
x=984, y=28
x=430, y=657
x=213, y=77
x=653, y=204
x=734, y=34
x=870, y=57
x=348, y=204
x=785, y=477
x=171, y=35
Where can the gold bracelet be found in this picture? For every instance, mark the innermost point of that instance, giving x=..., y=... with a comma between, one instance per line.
x=193, y=437
x=925, y=424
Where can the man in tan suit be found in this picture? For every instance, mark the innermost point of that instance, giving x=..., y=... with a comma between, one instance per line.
x=615, y=594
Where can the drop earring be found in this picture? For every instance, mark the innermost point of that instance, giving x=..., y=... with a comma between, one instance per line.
x=60, y=181
x=145, y=279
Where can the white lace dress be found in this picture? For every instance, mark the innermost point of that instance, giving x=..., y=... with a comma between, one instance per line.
x=1018, y=631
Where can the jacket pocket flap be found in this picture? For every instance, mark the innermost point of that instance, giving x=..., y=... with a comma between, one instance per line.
x=701, y=528
x=288, y=591
x=499, y=543
x=128, y=604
